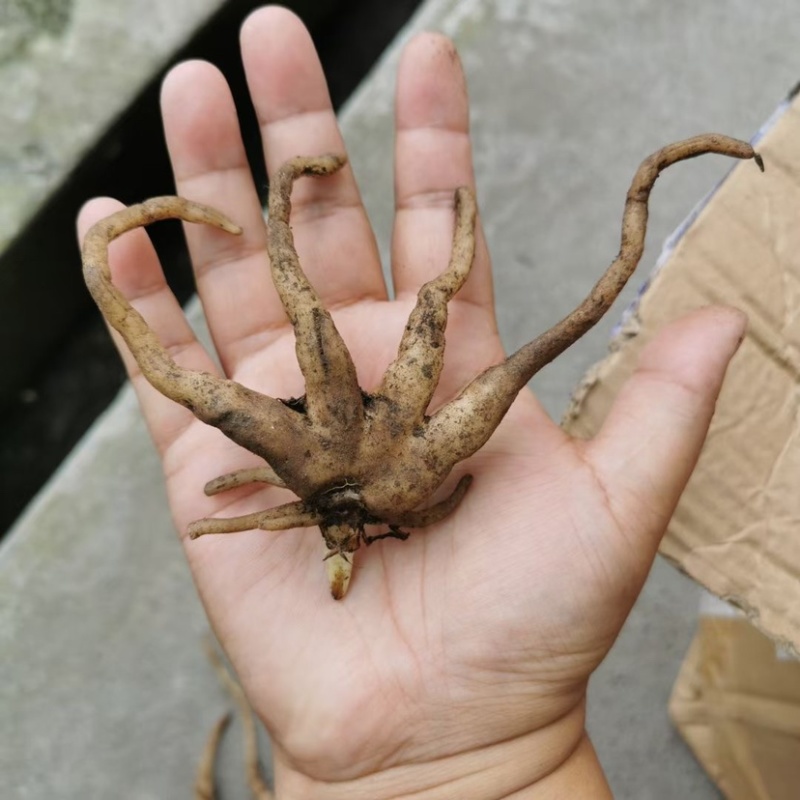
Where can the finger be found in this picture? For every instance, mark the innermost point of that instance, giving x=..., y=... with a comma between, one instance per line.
x=433, y=157
x=331, y=231
x=210, y=166
x=136, y=271
x=651, y=439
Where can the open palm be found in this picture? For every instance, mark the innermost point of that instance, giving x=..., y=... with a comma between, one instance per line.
x=481, y=629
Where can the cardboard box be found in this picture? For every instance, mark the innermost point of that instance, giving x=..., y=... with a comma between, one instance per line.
x=736, y=530
x=737, y=704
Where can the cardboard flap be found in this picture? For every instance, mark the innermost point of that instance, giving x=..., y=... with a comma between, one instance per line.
x=737, y=704
x=737, y=528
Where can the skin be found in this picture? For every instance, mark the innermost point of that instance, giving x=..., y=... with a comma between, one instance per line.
x=458, y=664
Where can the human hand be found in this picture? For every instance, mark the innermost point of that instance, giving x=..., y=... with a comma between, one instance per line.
x=457, y=664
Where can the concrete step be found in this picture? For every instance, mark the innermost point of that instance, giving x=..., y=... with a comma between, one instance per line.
x=79, y=83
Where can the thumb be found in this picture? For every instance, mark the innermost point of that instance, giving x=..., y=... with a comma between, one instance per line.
x=650, y=442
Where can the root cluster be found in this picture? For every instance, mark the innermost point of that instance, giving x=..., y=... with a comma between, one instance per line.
x=377, y=457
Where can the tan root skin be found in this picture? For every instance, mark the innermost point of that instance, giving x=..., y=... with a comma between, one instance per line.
x=389, y=456
x=205, y=780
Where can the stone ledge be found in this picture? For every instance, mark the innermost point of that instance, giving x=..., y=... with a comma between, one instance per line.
x=79, y=92
x=68, y=68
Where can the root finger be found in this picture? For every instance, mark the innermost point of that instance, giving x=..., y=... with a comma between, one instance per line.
x=260, y=423
x=205, y=782
x=333, y=397
x=243, y=477
x=156, y=364
x=255, y=778
x=283, y=517
x=436, y=512
x=480, y=407
x=411, y=379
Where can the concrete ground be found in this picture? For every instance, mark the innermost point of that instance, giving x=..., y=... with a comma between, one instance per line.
x=105, y=692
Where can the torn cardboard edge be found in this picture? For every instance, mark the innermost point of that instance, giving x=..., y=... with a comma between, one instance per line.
x=736, y=530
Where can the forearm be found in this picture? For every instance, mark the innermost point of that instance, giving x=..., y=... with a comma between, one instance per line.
x=555, y=762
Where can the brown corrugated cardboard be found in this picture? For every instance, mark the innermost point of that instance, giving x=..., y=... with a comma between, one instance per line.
x=737, y=704
x=737, y=528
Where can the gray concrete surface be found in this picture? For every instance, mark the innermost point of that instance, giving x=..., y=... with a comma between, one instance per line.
x=105, y=692
x=68, y=68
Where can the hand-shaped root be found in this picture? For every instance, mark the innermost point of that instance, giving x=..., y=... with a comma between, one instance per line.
x=354, y=458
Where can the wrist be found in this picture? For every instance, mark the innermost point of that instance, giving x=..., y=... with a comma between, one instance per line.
x=555, y=761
